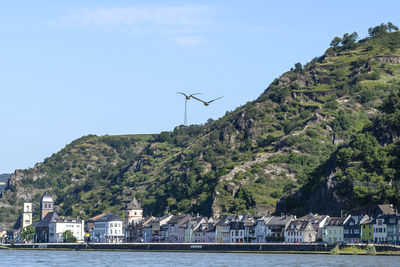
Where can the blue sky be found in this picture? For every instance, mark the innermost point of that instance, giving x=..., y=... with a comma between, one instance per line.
x=72, y=68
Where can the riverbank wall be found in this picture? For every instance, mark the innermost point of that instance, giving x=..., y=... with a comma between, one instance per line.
x=197, y=247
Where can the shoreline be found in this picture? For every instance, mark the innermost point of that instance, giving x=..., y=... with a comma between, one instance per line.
x=264, y=248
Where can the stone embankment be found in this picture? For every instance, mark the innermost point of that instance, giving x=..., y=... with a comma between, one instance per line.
x=196, y=247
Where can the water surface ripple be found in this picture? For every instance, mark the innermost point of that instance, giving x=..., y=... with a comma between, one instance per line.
x=125, y=258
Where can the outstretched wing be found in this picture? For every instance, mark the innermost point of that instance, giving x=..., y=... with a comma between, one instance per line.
x=196, y=94
x=215, y=99
x=182, y=93
x=198, y=99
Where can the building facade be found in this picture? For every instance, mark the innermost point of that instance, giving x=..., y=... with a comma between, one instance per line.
x=380, y=230
x=367, y=232
x=352, y=228
x=222, y=229
x=191, y=227
x=133, y=212
x=27, y=215
x=392, y=222
x=159, y=232
x=261, y=229
x=205, y=233
x=42, y=228
x=236, y=231
x=250, y=230
x=176, y=228
x=108, y=229
x=300, y=231
x=46, y=205
x=47, y=215
x=318, y=222
x=276, y=227
x=333, y=232
x=61, y=225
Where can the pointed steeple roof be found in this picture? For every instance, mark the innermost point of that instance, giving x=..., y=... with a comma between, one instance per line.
x=134, y=204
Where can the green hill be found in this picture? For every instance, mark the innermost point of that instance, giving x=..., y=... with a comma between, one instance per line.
x=304, y=145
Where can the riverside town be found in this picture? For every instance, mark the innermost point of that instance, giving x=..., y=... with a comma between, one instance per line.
x=381, y=226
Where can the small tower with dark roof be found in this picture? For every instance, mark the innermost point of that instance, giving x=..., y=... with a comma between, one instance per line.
x=133, y=212
x=46, y=205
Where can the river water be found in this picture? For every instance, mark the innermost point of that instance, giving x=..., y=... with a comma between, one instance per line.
x=124, y=258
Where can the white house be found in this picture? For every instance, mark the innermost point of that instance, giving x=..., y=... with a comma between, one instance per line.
x=61, y=225
x=300, y=231
x=318, y=222
x=108, y=229
x=380, y=230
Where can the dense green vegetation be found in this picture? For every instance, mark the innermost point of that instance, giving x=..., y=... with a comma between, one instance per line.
x=332, y=121
x=370, y=165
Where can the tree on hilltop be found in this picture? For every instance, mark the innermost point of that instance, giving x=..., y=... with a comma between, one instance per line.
x=298, y=68
x=392, y=27
x=349, y=40
x=382, y=29
x=336, y=42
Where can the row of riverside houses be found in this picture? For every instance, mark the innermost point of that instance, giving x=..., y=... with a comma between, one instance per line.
x=383, y=226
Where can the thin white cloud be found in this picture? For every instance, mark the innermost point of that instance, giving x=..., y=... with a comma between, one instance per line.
x=141, y=19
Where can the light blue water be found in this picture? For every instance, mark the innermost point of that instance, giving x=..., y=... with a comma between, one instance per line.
x=122, y=258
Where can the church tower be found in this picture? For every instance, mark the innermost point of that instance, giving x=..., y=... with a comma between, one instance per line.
x=133, y=212
x=27, y=215
x=46, y=205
